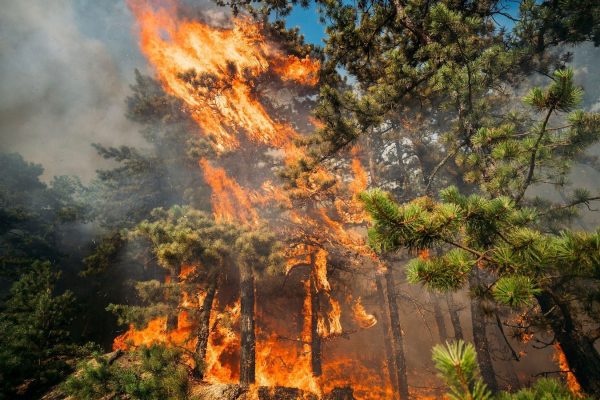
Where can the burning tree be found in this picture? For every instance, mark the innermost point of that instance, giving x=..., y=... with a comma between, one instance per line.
x=196, y=252
x=232, y=81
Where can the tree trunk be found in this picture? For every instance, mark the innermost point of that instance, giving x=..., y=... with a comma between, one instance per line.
x=480, y=340
x=454, y=318
x=315, y=338
x=204, y=326
x=394, y=358
x=399, y=357
x=173, y=317
x=439, y=316
x=385, y=326
x=579, y=350
x=248, y=335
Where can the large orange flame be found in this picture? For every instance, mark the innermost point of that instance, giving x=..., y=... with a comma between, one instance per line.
x=214, y=71
x=230, y=203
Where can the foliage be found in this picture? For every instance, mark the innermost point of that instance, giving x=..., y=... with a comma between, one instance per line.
x=32, y=214
x=496, y=230
x=543, y=389
x=160, y=173
x=456, y=363
x=156, y=373
x=183, y=236
x=35, y=346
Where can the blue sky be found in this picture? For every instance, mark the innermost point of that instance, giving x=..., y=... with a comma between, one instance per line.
x=307, y=19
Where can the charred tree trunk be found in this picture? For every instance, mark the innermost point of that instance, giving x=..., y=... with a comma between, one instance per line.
x=454, y=318
x=439, y=316
x=315, y=337
x=248, y=335
x=579, y=350
x=385, y=326
x=399, y=357
x=204, y=327
x=392, y=339
x=480, y=340
x=173, y=316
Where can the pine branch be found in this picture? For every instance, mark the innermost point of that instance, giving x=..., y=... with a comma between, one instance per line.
x=533, y=157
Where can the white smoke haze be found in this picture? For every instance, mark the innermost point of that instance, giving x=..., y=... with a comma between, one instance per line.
x=62, y=89
x=65, y=71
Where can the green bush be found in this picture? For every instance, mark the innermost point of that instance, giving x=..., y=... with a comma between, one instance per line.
x=156, y=373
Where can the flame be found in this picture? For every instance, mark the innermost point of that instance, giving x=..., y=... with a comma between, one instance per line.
x=321, y=270
x=365, y=381
x=214, y=71
x=156, y=332
x=364, y=319
x=222, y=350
x=229, y=201
x=300, y=70
x=360, y=182
x=563, y=364
x=287, y=365
x=330, y=325
x=216, y=74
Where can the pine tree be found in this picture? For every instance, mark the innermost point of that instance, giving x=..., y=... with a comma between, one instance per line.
x=457, y=366
x=36, y=349
x=183, y=236
x=497, y=233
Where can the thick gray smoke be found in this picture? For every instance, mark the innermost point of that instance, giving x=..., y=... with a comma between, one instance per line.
x=65, y=67
x=65, y=71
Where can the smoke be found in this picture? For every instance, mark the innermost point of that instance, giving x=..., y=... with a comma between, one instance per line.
x=64, y=75
x=585, y=59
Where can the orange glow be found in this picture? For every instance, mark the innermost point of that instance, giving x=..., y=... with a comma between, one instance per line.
x=222, y=351
x=155, y=332
x=563, y=364
x=300, y=70
x=360, y=181
x=284, y=365
x=214, y=71
x=361, y=316
x=330, y=325
x=216, y=74
x=230, y=202
x=321, y=270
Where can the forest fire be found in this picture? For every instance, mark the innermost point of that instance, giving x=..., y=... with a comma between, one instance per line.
x=299, y=200
x=215, y=73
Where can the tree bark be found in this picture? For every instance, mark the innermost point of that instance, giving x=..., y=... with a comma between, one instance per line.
x=484, y=358
x=315, y=338
x=399, y=357
x=385, y=326
x=204, y=326
x=248, y=335
x=439, y=316
x=454, y=318
x=173, y=317
x=579, y=350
